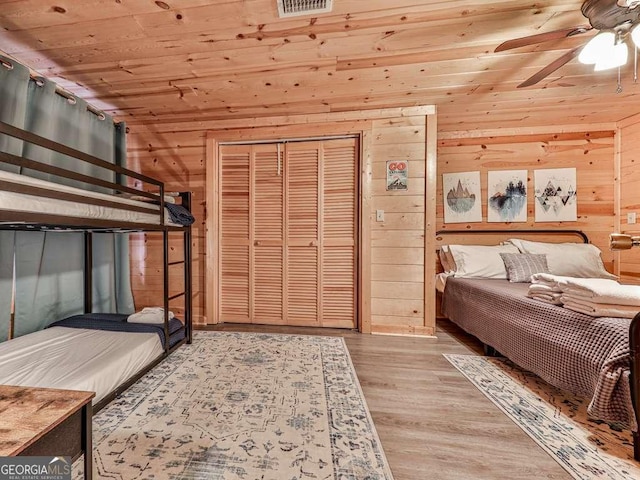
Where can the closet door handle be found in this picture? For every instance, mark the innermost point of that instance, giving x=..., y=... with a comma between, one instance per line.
x=256, y=243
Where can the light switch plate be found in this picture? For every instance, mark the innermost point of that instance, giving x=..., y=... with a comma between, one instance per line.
x=379, y=215
x=631, y=218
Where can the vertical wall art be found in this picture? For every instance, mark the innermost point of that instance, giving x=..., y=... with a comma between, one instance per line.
x=397, y=175
x=556, y=198
x=507, y=196
x=462, y=202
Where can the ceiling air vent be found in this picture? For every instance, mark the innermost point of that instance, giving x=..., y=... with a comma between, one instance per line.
x=293, y=8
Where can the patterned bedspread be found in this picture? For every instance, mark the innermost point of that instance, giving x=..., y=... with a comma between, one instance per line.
x=117, y=322
x=582, y=354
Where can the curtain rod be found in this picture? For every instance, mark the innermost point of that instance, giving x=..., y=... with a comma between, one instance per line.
x=36, y=77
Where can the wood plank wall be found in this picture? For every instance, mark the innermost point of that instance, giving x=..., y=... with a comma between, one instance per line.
x=398, y=243
x=177, y=158
x=393, y=279
x=629, y=132
x=176, y=153
x=591, y=152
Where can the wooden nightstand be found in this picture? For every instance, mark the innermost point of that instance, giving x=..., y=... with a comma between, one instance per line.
x=46, y=422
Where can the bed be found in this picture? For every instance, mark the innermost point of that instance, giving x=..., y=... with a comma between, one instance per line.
x=94, y=351
x=22, y=195
x=592, y=356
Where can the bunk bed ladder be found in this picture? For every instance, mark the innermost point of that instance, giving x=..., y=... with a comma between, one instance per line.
x=188, y=299
x=186, y=262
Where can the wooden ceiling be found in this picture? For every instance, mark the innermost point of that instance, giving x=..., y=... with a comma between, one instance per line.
x=169, y=61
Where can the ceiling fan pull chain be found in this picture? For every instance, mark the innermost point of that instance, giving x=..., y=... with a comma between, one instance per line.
x=619, y=88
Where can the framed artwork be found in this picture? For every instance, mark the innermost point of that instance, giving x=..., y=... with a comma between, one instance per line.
x=462, y=197
x=397, y=175
x=556, y=197
x=507, y=196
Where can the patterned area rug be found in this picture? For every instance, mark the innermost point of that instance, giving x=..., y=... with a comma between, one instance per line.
x=242, y=406
x=556, y=420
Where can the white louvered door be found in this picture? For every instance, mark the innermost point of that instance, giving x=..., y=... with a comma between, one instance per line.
x=289, y=255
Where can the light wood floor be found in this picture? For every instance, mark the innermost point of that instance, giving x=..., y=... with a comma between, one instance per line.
x=433, y=423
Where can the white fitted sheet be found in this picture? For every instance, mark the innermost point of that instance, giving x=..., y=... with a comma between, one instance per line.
x=21, y=202
x=76, y=359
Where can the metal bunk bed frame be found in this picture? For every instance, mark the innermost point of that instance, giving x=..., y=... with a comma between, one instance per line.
x=33, y=221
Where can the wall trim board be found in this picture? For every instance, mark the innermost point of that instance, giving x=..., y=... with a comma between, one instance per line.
x=516, y=131
x=431, y=181
x=526, y=138
x=617, y=192
x=212, y=192
x=364, y=226
x=329, y=117
x=627, y=122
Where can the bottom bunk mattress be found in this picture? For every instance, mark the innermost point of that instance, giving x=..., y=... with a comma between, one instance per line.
x=118, y=322
x=77, y=359
x=582, y=354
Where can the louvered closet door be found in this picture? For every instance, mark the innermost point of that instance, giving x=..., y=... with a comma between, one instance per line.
x=289, y=255
x=338, y=227
x=268, y=235
x=235, y=220
x=302, y=210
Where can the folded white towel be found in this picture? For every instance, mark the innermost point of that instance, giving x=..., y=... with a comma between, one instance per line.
x=600, y=309
x=149, y=315
x=547, y=279
x=609, y=293
x=552, y=298
x=543, y=288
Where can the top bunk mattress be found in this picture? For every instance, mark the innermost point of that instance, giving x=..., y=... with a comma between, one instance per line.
x=77, y=359
x=21, y=202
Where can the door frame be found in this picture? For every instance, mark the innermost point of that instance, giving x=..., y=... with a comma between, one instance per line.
x=213, y=218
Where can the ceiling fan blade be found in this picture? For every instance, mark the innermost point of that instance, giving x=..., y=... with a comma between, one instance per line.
x=552, y=67
x=541, y=37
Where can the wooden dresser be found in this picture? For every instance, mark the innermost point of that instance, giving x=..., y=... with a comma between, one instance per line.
x=46, y=422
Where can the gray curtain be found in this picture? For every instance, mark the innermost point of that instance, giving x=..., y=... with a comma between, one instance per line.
x=13, y=106
x=49, y=266
x=123, y=291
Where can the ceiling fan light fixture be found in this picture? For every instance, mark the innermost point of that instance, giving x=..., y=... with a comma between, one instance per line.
x=635, y=35
x=628, y=3
x=616, y=57
x=599, y=47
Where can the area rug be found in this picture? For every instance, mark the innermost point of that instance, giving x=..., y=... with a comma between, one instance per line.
x=242, y=406
x=554, y=419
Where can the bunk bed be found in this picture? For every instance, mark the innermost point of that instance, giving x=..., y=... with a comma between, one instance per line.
x=598, y=357
x=94, y=351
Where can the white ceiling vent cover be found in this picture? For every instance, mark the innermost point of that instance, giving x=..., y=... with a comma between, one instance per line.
x=294, y=8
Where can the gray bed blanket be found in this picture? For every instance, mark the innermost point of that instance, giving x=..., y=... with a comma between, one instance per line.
x=575, y=352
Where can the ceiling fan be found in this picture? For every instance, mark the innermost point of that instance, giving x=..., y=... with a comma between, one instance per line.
x=616, y=20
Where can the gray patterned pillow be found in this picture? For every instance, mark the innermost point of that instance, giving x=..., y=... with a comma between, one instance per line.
x=520, y=266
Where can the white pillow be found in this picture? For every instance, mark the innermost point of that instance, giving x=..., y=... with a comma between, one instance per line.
x=480, y=261
x=581, y=260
